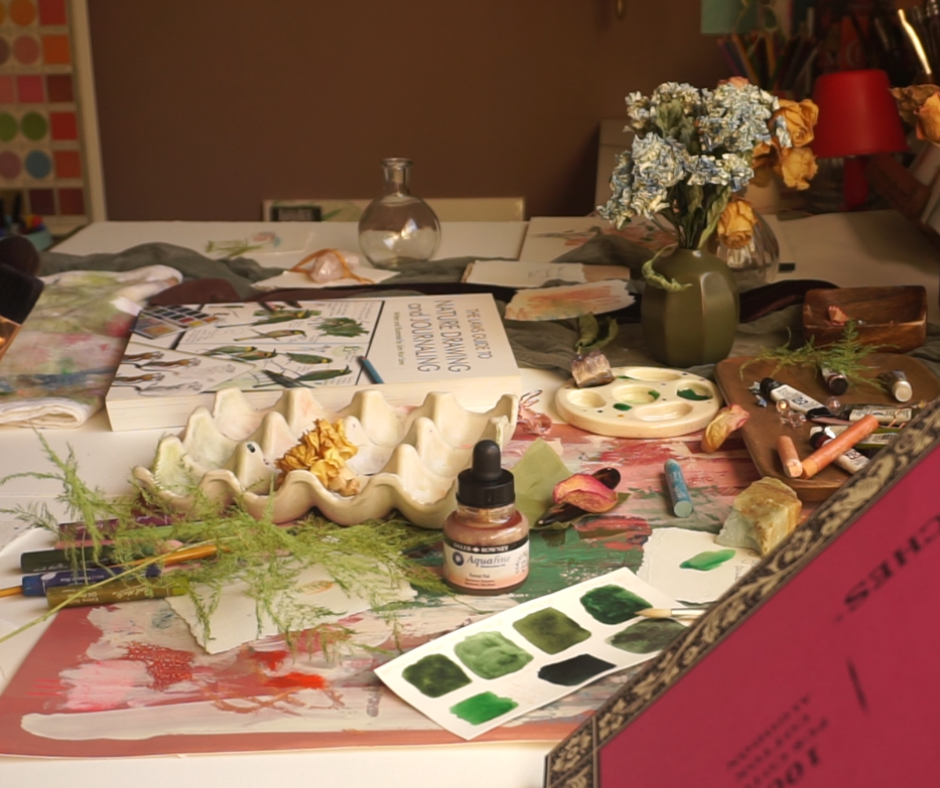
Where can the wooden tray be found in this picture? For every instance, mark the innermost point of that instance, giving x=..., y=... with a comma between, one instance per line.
x=764, y=426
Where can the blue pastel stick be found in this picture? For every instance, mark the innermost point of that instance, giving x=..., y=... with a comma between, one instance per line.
x=36, y=585
x=678, y=490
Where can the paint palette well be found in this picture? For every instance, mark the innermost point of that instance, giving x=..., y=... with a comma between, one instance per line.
x=486, y=674
x=641, y=402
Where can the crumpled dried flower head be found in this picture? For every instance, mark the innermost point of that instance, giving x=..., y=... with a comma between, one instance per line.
x=911, y=98
x=928, y=119
x=796, y=166
x=324, y=451
x=736, y=225
x=800, y=118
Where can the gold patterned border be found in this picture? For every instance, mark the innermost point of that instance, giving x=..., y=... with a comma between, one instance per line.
x=573, y=763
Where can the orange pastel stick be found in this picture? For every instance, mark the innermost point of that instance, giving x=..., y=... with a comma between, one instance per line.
x=826, y=453
x=789, y=456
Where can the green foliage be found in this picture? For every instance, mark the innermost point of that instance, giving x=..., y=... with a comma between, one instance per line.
x=846, y=356
x=368, y=560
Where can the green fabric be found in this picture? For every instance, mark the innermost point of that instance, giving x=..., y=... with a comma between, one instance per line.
x=240, y=271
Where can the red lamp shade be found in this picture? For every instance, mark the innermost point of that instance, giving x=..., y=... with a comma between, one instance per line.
x=857, y=115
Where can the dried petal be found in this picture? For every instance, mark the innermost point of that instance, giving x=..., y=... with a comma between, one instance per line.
x=837, y=316
x=586, y=492
x=726, y=421
x=928, y=119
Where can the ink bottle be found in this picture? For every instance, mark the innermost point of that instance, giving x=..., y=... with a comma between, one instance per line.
x=486, y=540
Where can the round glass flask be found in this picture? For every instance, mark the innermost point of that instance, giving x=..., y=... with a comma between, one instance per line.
x=398, y=228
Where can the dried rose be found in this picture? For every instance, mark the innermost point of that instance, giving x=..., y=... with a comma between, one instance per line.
x=796, y=166
x=726, y=421
x=586, y=492
x=911, y=98
x=736, y=224
x=800, y=118
x=324, y=451
x=928, y=119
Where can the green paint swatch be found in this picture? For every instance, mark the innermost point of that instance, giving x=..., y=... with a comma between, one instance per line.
x=435, y=675
x=574, y=671
x=708, y=560
x=622, y=406
x=645, y=637
x=551, y=630
x=482, y=708
x=491, y=655
x=692, y=394
x=613, y=604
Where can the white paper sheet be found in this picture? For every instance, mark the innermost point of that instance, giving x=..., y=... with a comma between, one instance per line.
x=235, y=621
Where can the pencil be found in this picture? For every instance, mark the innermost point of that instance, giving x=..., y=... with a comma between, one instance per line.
x=370, y=370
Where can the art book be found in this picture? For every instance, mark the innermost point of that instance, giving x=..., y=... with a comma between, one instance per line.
x=407, y=346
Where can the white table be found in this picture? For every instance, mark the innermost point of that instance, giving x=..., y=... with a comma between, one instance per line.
x=106, y=458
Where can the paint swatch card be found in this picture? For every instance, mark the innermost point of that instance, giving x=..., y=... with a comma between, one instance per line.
x=690, y=566
x=482, y=676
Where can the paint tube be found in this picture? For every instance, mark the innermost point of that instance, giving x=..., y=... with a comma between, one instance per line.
x=796, y=399
x=898, y=384
x=874, y=442
x=886, y=414
x=836, y=382
x=850, y=461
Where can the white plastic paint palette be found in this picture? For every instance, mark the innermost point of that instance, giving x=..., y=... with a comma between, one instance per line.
x=641, y=402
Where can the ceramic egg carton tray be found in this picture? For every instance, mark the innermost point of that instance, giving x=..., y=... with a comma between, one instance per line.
x=406, y=459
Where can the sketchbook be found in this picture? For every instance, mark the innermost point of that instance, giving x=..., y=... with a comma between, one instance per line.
x=407, y=347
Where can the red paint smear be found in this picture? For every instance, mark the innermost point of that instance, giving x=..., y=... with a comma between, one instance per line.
x=272, y=660
x=293, y=680
x=165, y=666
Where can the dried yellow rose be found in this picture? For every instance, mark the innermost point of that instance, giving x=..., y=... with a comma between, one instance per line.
x=736, y=224
x=796, y=166
x=323, y=451
x=928, y=119
x=800, y=117
x=910, y=99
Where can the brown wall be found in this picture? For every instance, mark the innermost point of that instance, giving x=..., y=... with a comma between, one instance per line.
x=207, y=107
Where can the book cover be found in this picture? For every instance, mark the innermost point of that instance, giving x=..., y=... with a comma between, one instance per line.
x=179, y=356
x=818, y=668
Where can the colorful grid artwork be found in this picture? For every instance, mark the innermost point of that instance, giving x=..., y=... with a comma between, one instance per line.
x=43, y=169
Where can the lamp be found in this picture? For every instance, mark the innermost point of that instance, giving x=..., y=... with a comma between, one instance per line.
x=858, y=117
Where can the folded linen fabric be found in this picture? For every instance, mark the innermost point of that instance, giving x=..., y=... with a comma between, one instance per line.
x=58, y=371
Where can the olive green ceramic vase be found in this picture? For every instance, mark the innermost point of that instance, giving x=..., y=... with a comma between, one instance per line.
x=695, y=325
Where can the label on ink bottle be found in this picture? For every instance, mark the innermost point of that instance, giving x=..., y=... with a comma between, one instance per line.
x=486, y=567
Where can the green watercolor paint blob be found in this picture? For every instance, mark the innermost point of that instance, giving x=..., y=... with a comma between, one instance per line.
x=491, y=655
x=622, y=406
x=692, y=394
x=710, y=559
x=482, y=708
x=645, y=637
x=551, y=630
x=613, y=604
x=435, y=675
x=574, y=671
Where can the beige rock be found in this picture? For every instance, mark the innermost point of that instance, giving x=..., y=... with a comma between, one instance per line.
x=762, y=516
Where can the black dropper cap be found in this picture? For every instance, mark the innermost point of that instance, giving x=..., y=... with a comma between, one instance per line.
x=485, y=484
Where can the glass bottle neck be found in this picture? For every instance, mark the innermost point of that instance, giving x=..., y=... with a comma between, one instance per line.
x=397, y=174
x=485, y=518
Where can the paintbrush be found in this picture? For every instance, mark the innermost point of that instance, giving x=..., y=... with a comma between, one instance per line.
x=692, y=611
x=19, y=292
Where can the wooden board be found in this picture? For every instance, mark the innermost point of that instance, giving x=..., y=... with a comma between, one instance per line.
x=764, y=426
